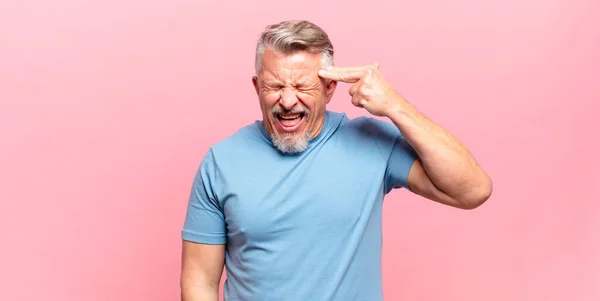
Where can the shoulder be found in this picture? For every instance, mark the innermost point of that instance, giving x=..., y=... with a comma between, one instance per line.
x=245, y=138
x=369, y=135
x=232, y=146
x=372, y=128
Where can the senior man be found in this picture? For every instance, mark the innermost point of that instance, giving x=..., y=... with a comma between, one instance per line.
x=291, y=205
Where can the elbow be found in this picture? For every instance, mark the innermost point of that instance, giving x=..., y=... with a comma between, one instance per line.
x=477, y=196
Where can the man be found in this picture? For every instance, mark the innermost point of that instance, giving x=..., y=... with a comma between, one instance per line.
x=291, y=205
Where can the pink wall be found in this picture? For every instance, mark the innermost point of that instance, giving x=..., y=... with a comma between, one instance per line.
x=106, y=108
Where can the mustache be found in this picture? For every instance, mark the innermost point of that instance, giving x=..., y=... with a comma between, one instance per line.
x=278, y=109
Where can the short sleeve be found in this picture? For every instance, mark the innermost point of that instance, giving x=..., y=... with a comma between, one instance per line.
x=400, y=162
x=204, y=220
x=396, y=151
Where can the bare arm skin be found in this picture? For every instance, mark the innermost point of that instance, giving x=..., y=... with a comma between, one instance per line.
x=201, y=271
x=445, y=171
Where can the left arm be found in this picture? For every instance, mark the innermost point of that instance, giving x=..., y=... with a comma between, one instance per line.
x=444, y=171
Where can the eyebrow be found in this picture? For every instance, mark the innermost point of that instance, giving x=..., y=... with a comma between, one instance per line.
x=271, y=82
x=278, y=83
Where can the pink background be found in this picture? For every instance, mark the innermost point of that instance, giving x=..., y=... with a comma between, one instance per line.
x=106, y=108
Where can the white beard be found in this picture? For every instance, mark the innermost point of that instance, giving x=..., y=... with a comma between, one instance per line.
x=288, y=144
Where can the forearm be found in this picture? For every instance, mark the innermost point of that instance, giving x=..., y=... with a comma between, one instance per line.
x=447, y=162
x=191, y=292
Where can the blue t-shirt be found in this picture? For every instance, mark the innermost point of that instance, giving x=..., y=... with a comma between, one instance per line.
x=304, y=226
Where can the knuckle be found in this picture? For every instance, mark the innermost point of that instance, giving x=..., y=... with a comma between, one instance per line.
x=363, y=90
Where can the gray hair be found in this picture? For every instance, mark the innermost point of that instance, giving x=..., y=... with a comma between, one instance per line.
x=289, y=37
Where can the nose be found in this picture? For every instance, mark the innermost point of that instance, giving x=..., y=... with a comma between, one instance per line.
x=288, y=99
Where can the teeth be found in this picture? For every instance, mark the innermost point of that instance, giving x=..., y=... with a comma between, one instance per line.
x=289, y=116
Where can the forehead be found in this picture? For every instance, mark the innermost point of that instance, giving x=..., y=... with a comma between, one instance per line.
x=295, y=66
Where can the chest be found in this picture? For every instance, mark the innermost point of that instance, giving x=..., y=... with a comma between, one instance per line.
x=301, y=197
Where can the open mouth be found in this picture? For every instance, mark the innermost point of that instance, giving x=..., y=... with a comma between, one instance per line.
x=290, y=122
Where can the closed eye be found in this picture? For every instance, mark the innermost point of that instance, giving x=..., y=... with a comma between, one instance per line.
x=272, y=86
x=305, y=87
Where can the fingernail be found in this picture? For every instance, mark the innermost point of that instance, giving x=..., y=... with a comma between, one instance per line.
x=329, y=67
x=322, y=72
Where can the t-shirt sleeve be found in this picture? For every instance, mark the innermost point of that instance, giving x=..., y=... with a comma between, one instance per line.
x=204, y=220
x=400, y=161
x=397, y=152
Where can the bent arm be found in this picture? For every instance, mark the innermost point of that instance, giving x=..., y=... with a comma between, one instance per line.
x=445, y=171
x=201, y=271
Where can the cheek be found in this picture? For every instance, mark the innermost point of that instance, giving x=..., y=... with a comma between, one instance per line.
x=313, y=100
x=270, y=98
x=267, y=102
x=308, y=97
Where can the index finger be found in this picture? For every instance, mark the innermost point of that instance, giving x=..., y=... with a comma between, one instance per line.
x=344, y=74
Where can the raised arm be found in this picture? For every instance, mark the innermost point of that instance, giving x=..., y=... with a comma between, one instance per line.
x=444, y=171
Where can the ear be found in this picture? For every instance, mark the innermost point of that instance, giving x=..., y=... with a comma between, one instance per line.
x=255, y=83
x=330, y=89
